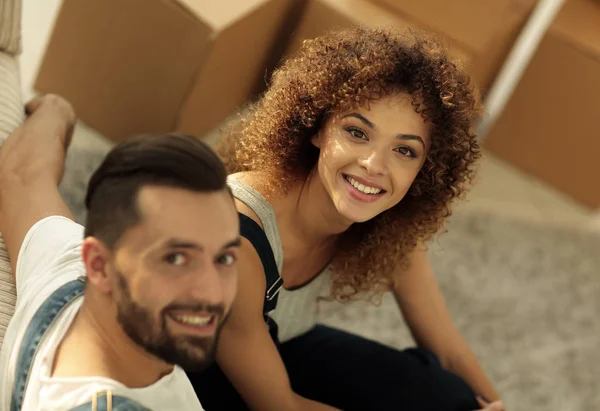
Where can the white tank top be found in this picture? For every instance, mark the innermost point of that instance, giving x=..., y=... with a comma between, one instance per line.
x=296, y=310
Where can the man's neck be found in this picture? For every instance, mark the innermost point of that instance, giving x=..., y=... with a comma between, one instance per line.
x=95, y=345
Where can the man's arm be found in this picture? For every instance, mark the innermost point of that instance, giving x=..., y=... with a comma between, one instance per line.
x=426, y=314
x=31, y=166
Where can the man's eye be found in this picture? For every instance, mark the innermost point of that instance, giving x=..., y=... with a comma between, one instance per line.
x=177, y=259
x=227, y=259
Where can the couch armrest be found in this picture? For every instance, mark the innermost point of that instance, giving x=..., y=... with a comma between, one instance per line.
x=11, y=115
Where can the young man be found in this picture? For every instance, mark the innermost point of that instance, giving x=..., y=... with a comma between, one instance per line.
x=110, y=314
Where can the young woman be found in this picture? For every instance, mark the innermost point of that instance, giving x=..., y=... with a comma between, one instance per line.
x=349, y=164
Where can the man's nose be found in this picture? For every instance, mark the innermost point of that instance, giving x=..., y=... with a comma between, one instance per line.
x=206, y=284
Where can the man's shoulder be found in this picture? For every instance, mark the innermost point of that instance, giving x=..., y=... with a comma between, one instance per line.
x=79, y=393
x=50, y=256
x=82, y=393
x=101, y=399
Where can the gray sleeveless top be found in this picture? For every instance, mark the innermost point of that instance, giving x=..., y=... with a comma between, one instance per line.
x=296, y=311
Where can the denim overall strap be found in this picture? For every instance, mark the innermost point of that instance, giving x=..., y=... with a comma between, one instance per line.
x=42, y=320
x=105, y=401
x=253, y=233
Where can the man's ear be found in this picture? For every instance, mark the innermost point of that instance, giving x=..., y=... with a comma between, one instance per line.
x=95, y=257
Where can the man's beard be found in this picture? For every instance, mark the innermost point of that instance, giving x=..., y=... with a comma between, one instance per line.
x=193, y=354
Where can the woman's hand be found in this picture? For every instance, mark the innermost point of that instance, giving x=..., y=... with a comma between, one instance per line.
x=490, y=406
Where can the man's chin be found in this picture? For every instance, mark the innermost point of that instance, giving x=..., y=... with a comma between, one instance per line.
x=196, y=367
x=191, y=358
x=196, y=363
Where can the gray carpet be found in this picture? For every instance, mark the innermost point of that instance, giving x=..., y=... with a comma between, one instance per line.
x=526, y=297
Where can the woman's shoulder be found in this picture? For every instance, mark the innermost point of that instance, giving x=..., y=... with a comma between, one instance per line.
x=248, y=179
x=251, y=178
x=242, y=208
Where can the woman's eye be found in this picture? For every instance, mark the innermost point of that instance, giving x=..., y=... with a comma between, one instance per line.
x=226, y=259
x=177, y=259
x=357, y=133
x=406, y=151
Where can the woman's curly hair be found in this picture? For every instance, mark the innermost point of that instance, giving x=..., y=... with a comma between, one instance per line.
x=344, y=69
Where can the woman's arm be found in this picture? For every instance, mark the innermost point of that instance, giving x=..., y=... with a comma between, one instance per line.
x=246, y=352
x=424, y=309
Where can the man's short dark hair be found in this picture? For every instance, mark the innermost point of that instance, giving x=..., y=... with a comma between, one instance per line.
x=173, y=160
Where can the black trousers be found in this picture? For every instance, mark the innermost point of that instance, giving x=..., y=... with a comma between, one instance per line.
x=352, y=373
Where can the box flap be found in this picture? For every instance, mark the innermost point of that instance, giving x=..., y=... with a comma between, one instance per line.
x=218, y=13
x=362, y=12
x=324, y=15
x=128, y=72
x=234, y=67
x=579, y=23
x=548, y=127
x=470, y=22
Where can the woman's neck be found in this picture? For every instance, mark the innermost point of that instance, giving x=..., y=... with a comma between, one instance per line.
x=308, y=212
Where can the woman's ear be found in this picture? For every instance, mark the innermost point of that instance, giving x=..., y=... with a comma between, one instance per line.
x=316, y=139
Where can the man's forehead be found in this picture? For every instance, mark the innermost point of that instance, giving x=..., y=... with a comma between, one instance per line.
x=158, y=235
x=156, y=198
x=206, y=219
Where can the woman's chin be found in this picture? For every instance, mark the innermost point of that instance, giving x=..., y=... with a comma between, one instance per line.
x=354, y=215
x=355, y=211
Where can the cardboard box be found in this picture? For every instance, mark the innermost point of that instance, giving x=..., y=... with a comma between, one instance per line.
x=550, y=126
x=487, y=29
x=137, y=66
x=320, y=16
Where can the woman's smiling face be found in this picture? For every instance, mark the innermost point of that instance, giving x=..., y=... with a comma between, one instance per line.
x=370, y=157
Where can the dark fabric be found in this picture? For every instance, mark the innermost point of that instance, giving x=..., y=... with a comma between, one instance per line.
x=215, y=391
x=257, y=237
x=352, y=373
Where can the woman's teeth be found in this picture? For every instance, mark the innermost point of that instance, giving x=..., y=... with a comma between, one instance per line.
x=198, y=321
x=361, y=187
